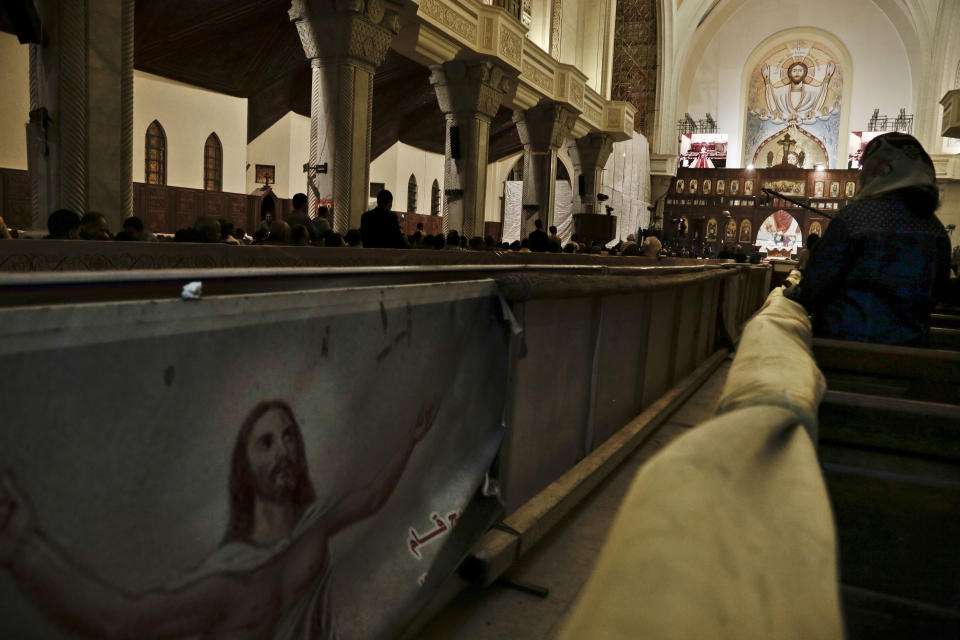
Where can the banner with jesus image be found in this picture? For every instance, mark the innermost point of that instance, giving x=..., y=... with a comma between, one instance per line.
x=285, y=465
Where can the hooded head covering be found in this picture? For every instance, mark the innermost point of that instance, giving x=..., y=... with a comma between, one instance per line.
x=894, y=161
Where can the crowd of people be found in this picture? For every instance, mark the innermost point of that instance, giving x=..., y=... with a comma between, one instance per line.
x=379, y=228
x=874, y=276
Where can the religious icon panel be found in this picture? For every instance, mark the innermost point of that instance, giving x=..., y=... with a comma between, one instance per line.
x=748, y=187
x=680, y=185
x=818, y=189
x=720, y=187
x=712, y=229
x=730, y=231
x=746, y=231
x=706, y=187
x=814, y=228
x=851, y=189
x=693, y=186
x=835, y=189
x=734, y=187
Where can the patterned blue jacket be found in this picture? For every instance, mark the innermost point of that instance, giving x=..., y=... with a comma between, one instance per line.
x=877, y=273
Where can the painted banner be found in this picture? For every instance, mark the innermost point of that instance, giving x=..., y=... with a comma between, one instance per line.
x=286, y=465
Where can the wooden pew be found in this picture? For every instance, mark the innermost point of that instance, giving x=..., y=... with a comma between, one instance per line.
x=906, y=372
x=890, y=451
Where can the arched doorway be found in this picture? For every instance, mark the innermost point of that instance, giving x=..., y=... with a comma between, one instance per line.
x=269, y=204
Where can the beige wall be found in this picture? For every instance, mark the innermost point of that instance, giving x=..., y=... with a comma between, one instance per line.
x=299, y=152
x=188, y=115
x=286, y=146
x=949, y=211
x=539, y=32
x=14, y=101
x=394, y=167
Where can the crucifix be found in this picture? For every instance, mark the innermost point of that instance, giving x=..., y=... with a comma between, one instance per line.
x=786, y=142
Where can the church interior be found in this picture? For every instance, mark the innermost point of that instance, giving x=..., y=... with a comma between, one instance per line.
x=434, y=415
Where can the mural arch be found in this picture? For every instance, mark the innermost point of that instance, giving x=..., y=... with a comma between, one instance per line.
x=805, y=152
x=797, y=79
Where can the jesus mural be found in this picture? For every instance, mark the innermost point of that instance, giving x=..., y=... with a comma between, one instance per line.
x=797, y=96
x=269, y=576
x=797, y=86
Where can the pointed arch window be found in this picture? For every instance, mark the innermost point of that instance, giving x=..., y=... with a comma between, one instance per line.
x=155, y=171
x=213, y=164
x=435, y=199
x=412, y=194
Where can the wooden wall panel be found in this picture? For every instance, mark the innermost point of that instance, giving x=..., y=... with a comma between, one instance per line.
x=494, y=229
x=214, y=204
x=15, y=204
x=166, y=209
x=432, y=225
x=186, y=207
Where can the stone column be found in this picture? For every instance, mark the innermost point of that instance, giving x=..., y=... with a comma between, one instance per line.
x=81, y=102
x=593, y=151
x=355, y=41
x=542, y=130
x=469, y=94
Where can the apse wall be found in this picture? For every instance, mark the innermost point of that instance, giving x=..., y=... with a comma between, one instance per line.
x=14, y=101
x=880, y=76
x=188, y=115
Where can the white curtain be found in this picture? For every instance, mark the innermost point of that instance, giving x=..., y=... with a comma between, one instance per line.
x=563, y=210
x=512, y=201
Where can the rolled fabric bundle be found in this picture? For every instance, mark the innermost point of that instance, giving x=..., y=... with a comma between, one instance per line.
x=725, y=534
x=728, y=532
x=774, y=365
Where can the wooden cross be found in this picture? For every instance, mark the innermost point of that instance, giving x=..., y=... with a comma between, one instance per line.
x=786, y=142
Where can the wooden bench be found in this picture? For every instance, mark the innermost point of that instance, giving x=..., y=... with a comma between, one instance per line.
x=890, y=451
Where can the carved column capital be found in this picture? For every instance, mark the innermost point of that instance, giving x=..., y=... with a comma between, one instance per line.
x=360, y=30
x=594, y=149
x=471, y=87
x=545, y=126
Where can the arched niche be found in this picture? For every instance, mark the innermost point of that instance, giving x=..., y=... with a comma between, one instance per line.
x=812, y=150
x=767, y=102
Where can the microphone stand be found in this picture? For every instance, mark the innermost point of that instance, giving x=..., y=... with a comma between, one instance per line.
x=777, y=194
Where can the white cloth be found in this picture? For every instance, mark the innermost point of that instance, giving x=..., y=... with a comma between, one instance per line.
x=563, y=210
x=512, y=212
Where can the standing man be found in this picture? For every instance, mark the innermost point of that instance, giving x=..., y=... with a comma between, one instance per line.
x=300, y=216
x=379, y=228
x=539, y=240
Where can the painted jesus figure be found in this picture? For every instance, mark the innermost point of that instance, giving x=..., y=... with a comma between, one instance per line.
x=801, y=97
x=268, y=577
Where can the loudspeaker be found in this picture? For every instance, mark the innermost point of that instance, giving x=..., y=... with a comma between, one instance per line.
x=581, y=185
x=455, y=142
